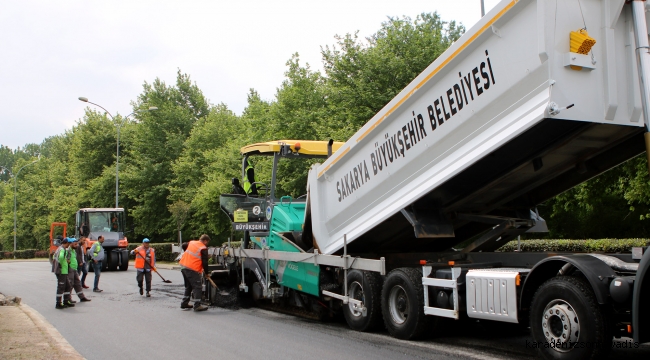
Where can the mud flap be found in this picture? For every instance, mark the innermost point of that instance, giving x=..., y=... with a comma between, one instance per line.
x=641, y=302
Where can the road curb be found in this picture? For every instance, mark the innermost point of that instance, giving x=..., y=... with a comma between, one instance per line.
x=168, y=266
x=61, y=343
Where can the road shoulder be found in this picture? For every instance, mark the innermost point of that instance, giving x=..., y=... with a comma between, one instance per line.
x=26, y=334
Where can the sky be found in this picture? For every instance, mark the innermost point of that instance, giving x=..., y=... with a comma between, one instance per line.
x=52, y=52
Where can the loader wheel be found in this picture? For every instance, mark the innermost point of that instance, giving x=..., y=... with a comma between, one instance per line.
x=402, y=304
x=113, y=260
x=364, y=286
x=566, y=321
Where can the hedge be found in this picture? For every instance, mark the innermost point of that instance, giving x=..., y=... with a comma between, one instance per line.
x=580, y=246
x=24, y=254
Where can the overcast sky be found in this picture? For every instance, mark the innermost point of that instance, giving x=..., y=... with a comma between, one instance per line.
x=52, y=52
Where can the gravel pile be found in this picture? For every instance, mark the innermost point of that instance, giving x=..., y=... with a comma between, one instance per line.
x=9, y=300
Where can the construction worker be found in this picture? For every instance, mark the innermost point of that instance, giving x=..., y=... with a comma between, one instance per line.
x=82, y=259
x=249, y=179
x=60, y=267
x=97, y=256
x=194, y=263
x=114, y=223
x=145, y=260
x=73, y=274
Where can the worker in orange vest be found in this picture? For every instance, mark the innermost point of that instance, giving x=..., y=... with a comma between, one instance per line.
x=194, y=263
x=145, y=260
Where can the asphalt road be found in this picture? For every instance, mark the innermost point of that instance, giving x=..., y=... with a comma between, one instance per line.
x=119, y=323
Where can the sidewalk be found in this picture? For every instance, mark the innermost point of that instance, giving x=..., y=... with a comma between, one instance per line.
x=26, y=334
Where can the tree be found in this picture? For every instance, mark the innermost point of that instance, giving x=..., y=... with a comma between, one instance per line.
x=153, y=145
x=364, y=76
x=179, y=210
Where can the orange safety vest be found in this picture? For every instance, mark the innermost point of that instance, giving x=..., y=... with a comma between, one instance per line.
x=192, y=256
x=140, y=256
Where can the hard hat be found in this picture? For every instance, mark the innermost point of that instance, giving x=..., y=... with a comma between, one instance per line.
x=71, y=240
x=145, y=240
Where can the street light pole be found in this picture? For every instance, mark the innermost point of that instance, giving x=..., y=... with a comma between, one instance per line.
x=15, y=192
x=118, y=125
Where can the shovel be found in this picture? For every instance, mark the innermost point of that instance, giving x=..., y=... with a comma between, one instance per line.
x=156, y=271
x=163, y=279
x=221, y=292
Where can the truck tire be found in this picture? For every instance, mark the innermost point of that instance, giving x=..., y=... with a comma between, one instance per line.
x=113, y=260
x=402, y=304
x=364, y=286
x=564, y=312
x=124, y=260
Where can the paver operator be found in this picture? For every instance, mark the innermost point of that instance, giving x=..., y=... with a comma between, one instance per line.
x=145, y=260
x=97, y=256
x=60, y=267
x=76, y=260
x=194, y=263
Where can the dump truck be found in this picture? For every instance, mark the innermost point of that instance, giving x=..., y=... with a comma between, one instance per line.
x=400, y=225
x=109, y=223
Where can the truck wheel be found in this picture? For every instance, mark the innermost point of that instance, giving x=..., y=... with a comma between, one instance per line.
x=402, y=304
x=364, y=286
x=113, y=260
x=124, y=263
x=566, y=321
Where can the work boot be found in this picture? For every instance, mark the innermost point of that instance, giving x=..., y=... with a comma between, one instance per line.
x=84, y=299
x=201, y=307
x=148, y=295
x=59, y=306
x=186, y=306
x=85, y=287
x=97, y=290
x=140, y=291
x=68, y=303
x=72, y=301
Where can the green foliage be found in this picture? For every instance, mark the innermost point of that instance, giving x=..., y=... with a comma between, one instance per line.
x=615, y=204
x=362, y=77
x=153, y=145
x=600, y=245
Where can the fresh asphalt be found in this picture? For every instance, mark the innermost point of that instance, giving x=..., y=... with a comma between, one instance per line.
x=119, y=323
